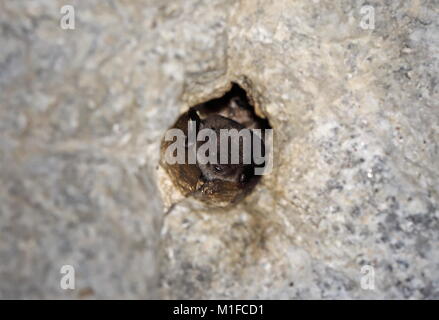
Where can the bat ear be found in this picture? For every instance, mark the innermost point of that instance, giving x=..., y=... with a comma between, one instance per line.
x=193, y=115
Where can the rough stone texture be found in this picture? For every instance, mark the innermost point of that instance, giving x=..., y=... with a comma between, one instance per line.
x=356, y=173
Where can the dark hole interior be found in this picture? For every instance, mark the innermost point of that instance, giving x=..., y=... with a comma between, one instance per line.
x=234, y=105
x=218, y=182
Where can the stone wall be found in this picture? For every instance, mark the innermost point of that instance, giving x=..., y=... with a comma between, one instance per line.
x=356, y=173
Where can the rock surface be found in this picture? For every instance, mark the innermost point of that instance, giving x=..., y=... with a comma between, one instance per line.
x=356, y=173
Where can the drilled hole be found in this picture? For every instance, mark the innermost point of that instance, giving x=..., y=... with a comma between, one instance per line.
x=223, y=153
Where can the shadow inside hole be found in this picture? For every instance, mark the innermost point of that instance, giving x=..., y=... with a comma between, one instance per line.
x=234, y=105
x=218, y=184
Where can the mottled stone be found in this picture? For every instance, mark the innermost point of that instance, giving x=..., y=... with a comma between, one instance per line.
x=355, y=179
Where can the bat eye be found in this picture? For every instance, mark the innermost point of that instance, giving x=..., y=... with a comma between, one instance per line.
x=218, y=168
x=242, y=178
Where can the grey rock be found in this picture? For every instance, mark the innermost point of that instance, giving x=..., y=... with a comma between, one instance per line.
x=356, y=174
